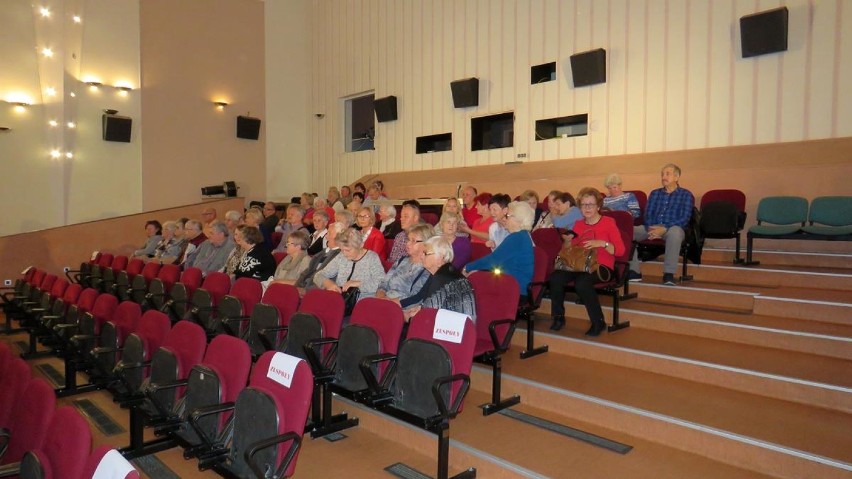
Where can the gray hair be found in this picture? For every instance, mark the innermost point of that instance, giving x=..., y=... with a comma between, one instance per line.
x=220, y=226
x=350, y=237
x=300, y=238
x=441, y=247
x=422, y=230
x=321, y=213
x=170, y=225
x=673, y=167
x=447, y=217
x=197, y=224
x=612, y=179
x=346, y=216
x=233, y=215
x=389, y=208
x=319, y=202
x=523, y=213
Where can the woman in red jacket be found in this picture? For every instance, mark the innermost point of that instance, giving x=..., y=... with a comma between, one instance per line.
x=374, y=240
x=592, y=232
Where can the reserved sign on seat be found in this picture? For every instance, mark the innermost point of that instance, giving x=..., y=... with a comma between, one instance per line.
x=282, y=367
x=449, y=326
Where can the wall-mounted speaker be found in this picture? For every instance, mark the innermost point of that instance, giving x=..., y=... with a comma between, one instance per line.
x=248, y=127
x=764, y=32
x=116, y=128
x=385, y=108
x=589, y=68
x=465, y=92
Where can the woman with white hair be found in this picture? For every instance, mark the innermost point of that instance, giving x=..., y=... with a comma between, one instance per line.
x=619, y=200
x=388, y=224
x=171, y=246
x=514, y=256
x=354, y=267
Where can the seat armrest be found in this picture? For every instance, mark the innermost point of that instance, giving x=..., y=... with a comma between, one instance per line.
x=378, y=387
x=492, y=331
x=312, y=352
x=295, y=442
x=453, y=410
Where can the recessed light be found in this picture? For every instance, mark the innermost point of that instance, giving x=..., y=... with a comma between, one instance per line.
x=45, y=12
x=47, y=52
x=71, y=124
x=50, y=91
x=53, y=123
x=55, y=153
x=77, y=19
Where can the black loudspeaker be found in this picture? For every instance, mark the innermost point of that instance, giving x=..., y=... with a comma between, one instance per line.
x=589, y=68
x=116, y=128
x=248, y=127
x=465, y=92
x=385, y=109
x=764, y=32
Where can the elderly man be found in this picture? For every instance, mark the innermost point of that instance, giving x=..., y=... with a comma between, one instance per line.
x=208, y=216
x=270, y=218
x=213, y=253
x=292, y=222
x=345, y=195
x=408, y=217
x=195, y=237
x=468, y=211
x=319, y=240
x=666, y=217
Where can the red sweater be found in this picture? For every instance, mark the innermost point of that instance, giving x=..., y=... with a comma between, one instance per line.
x=606, y=230
x=374, y=240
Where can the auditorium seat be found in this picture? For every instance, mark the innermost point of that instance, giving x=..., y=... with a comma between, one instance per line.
x=108, y=462
x=159, y=287
x=279, y=303
x=65, y=449
x=778, y=217
x=139, y=348
x=531, y=301
x=205, y=300
x=235, y=307
x=28, y=421
x=723, y=216
x=177, y=304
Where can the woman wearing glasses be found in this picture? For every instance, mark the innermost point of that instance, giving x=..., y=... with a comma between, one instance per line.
x=374, y=240
x=297, y=259
x=592, y=232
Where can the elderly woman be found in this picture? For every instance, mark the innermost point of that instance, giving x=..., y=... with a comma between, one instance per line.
x=449, y=227
x=256, y=261
x=565, y=211
x=407, y=275
x=154, y=233
x=593, y=232
x=296, y=261
x=446, y=288
x=373, y=239
x=546, y=218
x=514, y=256
x=531, y=197
x=478, y=231
x=346, y=217
x=318, y=238
x=388, y=224
x=354, y=267
x=171, y=246
x=618, y=199
x=356, y=203
x=309, y=278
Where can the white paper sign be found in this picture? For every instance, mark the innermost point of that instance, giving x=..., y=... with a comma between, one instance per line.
x=449, y=326
x=95, y=255
x=113, y=466
x=282, y=368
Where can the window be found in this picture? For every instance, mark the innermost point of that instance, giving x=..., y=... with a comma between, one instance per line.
x=493, y=131
x=360, y=126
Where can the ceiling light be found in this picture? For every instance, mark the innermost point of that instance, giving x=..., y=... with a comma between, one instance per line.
x=53, y=123
x=69, y=155
x=73, y=95
x=94, y=85
x=123, y=90
x=220, y=105
x=71, y=124
x=50, y=91
x=77, y=19
x=55, y=153
x=21, y=107
x=45, y=12
x=47, y=52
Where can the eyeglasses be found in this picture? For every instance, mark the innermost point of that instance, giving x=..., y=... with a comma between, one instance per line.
x=364, y=217
x=292, y=244
x=428, y=253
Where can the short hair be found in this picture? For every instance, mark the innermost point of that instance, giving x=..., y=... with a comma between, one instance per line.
x=422, y=230
x=297, y=208
x=351, y=238
x=391, y=210
x=197, y=224
x=170, y=225
x=360, y=185
x=251, y=234
x=527, y=194
x=220, y=226
x=482, y=198
x=182, y=220
x=612, y=179
x=447, y=217
x=358, y=195
x=255, y=213
x=374, y=187
x=233, y=215
x=347, y=189
x=523, y=213
x=501, y=199
x=472, y=188
x=441, y=247
x=300, y=238
x=673, y=167
x=321, y=214
x=413, y=205
x=378, y=184
x=156, y=224
x=369, y=212
x=347, y=217
x=333, y=193
x=319, y=202
x=566, y=197
x=593, y=192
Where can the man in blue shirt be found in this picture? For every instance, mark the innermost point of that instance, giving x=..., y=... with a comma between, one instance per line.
x=666, y=217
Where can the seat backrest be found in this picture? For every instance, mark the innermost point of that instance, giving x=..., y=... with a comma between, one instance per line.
x=478, y=250
x=719, y=219
x=542, y=267
x=47, y=283
x=37, y=277
x=496, y=299
x=549, y=241
x=327, y=306
x=106, y=462
x=105, y=260
x=230, y=356
x=30, y=418
x=134, y=267
x=150, y=271
x=141, y=345
x=72, y=294
x=14, y=379
x=217, y=285
x=58, y=288
x=279, y=256
x=119, y=263
x=736, y=197
x=248, y=291
x=102, y=311
x=283, y=297
x=65, y=449
x=182, y=349
x=831, y=210
x=168, y=275
x=642, y=198
x=782, y=210
x=385, y=317
x=191, y=279
x=624, y=223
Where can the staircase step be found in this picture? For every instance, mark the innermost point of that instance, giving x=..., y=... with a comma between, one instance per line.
x=770, y=258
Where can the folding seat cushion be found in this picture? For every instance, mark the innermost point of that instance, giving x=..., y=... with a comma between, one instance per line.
x=784, y=214
x=160, y=286
x=182, y=349
x=496, y=303
x=374, y=328
x=279, y=303
x=239, y=303
x=65, y=449
x=178, y=302
x=139, y=284
x=114, y=332
x=327, y=306
x=206, y=299
x=830, y=216
x=14, y=379
x=107, y=463
x=642, y=198
x=101, y=312
x=30, y=418
x=549, y=241
x=139, y=347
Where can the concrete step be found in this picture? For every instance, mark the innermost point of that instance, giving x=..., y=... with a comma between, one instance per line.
x=724, y=253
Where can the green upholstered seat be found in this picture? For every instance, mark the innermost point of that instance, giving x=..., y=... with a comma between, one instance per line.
x=785, y=215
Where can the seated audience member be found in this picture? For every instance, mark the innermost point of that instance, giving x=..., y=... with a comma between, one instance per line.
x=619, y=200
x=297, y=259
x=452, y=206
x=319, y=205
x=354, y=267
x=194, y=237
x=254, y=217
x=498, y=207
x=345, y=195
x=308, y=279
x=565, y=211
x=469, y=211
x=213, y=252
x=408, y=217
x=233, y=218
x=154, y=234
x=374, y=198
x=448, y=225
x=531, y=197
x=346, y=217
x=478, y=230
x=373, y=239
x=546, y=218
x=406, y=276
x=292, y=222
x=593, y=232
x=270, y=216
x=318, y=239
x=256, y=261
x=170, y=247
x=208, y=216
x=306, y=201
x=446, y=288
x=667, y=216
x=333, y=199
x=360, y=188
x=356, y=203
x=514, y=256
x=388, y=224
x=180, y=223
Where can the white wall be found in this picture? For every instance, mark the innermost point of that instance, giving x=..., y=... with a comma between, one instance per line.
x=675, y=77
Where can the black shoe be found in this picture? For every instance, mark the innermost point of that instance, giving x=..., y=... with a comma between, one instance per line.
x=558, y=323
x=596, y=329
x=668, y=279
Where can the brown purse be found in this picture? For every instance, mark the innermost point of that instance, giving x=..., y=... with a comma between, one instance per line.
x=576, y=258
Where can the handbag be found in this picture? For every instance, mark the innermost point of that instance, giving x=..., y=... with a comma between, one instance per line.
x=350, y=296
x=578, y=259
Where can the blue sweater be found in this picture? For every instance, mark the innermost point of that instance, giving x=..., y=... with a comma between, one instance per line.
x=514, y=256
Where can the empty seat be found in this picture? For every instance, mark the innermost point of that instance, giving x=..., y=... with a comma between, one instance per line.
x=159, y=288
x=778, y=217
x=723, y=216
x=139, y=348
x=235, y=307
x=205, y=300
x=830, y=217
x=279, y=303
x=29, y=420
x=178, y=303
x=139, y=284
x=529, y=304
x=124, y=278
x=65, y=449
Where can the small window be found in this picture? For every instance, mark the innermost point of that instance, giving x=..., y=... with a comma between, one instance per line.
x=562, y=127
x=360, y=127
x=493, y=131
x=433, y=143
x=543, y=73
